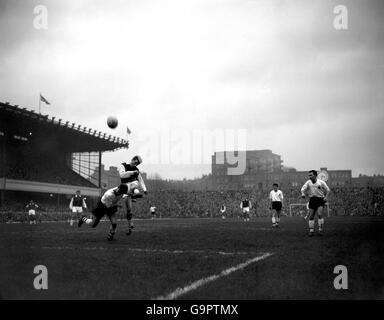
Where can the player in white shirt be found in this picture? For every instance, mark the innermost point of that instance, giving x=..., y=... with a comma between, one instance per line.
x=318, y=191
x=152, y=210
x=107, y=205
x=32, y=207
x=276, y=197
x=223, y=210
x=245, y=205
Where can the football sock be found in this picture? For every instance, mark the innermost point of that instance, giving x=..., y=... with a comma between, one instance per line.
x=273, y=220
x=87, y=220
x=311, y=224
x=321, y=223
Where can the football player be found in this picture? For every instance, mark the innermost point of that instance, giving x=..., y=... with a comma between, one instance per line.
x=152, y=210
x=223, y=210
x=245, y=205
x=76, y=205
x=318, y=191
x=276, y=197
x=32, y=207
x=130, y=176
x=107, y=205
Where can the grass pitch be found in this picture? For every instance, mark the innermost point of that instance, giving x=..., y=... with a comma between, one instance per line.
x=163, y=255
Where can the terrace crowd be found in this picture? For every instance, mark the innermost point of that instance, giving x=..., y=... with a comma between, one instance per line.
x=188, y=204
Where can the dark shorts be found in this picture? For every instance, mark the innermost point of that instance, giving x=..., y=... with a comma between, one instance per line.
x=276, y=205
x=316, y=202
x=102, y=210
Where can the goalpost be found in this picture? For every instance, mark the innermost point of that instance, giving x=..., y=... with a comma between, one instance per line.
x=305, y=208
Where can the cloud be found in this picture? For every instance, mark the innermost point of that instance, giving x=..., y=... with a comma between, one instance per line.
x=275, y=68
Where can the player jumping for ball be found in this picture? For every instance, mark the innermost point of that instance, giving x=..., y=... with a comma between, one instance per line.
x=130, y=176
x=276, y=197
x=107, y=205
x=318, y=192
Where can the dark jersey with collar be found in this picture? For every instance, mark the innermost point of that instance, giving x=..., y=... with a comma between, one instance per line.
x=77, y=200
x=245, y=203
x=134, y=177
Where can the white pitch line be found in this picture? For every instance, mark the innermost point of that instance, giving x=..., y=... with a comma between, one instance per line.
x=197, y=284
x=140, y=250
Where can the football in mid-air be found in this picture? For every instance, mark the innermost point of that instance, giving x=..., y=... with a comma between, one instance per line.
x=112, y=122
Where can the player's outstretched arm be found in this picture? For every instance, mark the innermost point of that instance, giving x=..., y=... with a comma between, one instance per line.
x=327, y=191
x=142, y=184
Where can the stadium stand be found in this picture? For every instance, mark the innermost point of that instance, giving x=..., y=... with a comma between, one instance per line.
x=343, y=201
x=47, y=160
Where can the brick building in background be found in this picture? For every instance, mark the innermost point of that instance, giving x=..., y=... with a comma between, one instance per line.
x=263, y=168
x=259, y=164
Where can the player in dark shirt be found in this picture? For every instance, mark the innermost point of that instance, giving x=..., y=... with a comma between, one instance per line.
x=130, y=175
x=77, y=205
x=246, y=205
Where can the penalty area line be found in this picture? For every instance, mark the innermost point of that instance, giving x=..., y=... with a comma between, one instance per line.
x=199, y=283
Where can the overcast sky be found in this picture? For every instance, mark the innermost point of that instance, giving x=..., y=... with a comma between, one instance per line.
x=277, y=69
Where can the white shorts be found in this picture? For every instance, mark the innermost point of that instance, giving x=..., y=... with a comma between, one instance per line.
x=31, y=212
x=131, y=186
x=77, y=209
x=246, y=210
